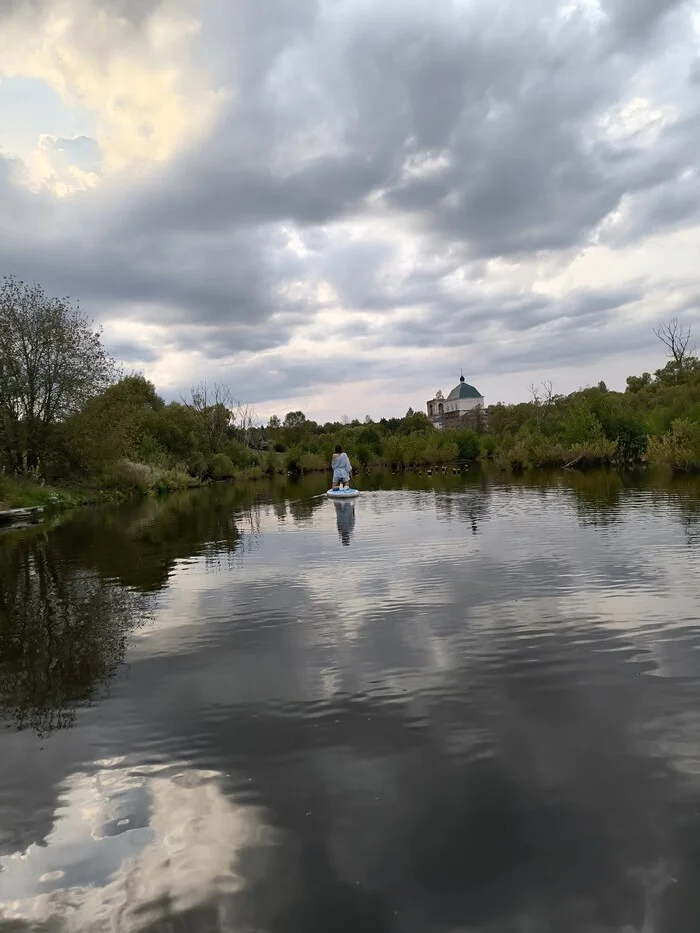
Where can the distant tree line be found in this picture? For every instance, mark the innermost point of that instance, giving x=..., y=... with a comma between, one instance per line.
x=656, y=419
x=68, y=415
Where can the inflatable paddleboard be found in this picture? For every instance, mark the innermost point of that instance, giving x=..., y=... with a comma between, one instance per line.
x=343, y=493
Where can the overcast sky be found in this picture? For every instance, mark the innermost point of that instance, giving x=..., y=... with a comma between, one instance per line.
x=336, y=205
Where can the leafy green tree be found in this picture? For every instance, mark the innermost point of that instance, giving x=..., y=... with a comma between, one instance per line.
x=637, y=383
x=364, y=455
x=297, y=427
x=179, y=430
x=371, y=438
x=632, y=440
x=110, y=426
x=415, y=421
x=52, y=363
x=294, y=419
x=582, y=425
x=220, y=467
x=467, y=444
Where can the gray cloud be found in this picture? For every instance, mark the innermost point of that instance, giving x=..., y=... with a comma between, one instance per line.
x=131, y=351
x=285, y=377
x=510, y=314
x=476, y=133
x=637, y=20
x=566, y=346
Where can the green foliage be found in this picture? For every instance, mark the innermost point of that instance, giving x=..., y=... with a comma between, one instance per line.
x=370, y=438
x=296, y=427
x=637, y=383
x=487, y=445
x=632, y=440
x=415, y=421
x=129, y=477
x=149, y=451
x=364, y=455
x=581, y=425
x=678, y=448
x=309, y=462
x=241, y=457
x=171, y=480
x=294, y=419
x=252, y=472
x=52, y=363
x=110, y=427
x=446, y=452
x=196, y=465
x=273, y=462
x=531, y=450
x=22, y=493
x=179, y=429
x=292, y=459
x=219, y=467
x=595, y=451
x=468, y=446
x=394, y=451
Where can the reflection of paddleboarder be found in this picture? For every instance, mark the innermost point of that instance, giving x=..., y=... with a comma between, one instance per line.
x=345, y=516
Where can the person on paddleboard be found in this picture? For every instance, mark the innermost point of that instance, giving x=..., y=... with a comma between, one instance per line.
x=342, y=468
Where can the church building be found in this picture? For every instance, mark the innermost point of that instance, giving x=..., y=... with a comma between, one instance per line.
x=462, y=405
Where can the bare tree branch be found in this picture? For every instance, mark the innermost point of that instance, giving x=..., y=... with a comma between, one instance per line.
x=247, y=422
x=214, y=406
x=677, y=340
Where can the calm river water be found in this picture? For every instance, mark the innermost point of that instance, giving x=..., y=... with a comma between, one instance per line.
x=458, y=705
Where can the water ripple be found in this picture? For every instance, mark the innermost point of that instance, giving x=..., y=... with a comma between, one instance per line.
x=460, y=704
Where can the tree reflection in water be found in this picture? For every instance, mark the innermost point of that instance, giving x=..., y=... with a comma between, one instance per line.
x=70, y=595
x=63, y=631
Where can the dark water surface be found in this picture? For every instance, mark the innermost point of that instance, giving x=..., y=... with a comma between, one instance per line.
x=458, y=705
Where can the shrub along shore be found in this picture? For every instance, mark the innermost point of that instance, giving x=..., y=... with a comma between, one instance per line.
x=75, y=430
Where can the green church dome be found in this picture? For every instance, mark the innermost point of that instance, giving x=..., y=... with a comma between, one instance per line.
x=463, y=390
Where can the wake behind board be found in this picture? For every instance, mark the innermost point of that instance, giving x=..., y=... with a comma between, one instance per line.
x=343, y=493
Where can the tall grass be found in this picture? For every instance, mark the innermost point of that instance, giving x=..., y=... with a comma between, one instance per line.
x=679, y=447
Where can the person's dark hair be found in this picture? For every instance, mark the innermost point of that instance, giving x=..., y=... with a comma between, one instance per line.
x=338, y=449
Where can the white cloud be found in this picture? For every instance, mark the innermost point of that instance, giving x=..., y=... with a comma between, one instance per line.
x=147, y=98
x=184, y=851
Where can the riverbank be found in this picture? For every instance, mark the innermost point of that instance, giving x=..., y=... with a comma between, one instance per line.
x=25, y=494
x=22, y=501
x=26, y=499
